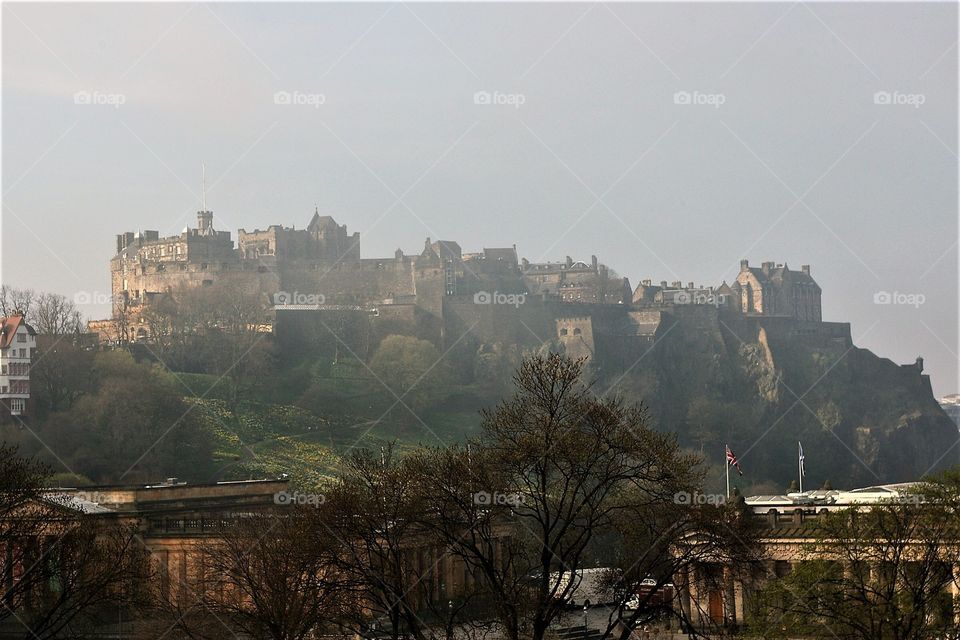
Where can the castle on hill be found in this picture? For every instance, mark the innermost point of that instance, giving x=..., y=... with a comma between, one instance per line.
x=442, y=291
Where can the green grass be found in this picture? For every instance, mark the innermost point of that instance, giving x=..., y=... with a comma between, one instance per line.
x=302, y=420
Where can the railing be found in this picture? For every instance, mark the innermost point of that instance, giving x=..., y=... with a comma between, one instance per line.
x=186, y=525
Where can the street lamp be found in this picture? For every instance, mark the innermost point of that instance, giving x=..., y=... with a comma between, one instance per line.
x=450, y=620
x=585, y=605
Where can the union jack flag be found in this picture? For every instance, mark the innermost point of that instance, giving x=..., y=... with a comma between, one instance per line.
x=732, y=460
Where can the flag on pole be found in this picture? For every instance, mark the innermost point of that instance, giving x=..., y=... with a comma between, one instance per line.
x=732, y=460
x=803, y=471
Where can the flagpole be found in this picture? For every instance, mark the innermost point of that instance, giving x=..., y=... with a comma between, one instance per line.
x=726, y=463
x=800, y=464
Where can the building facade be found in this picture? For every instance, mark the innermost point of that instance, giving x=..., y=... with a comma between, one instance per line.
x=18, y=341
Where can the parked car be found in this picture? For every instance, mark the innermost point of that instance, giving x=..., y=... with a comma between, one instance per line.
x=648, y=593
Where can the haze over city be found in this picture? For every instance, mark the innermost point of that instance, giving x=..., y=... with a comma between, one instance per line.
x=479, y=321
x=585, y=148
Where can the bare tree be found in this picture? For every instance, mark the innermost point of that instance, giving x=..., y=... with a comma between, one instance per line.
x=63, y=570
x=374, y=511
x=265, y=575
x=557, y=471
x=13, y=300
x=54, y=315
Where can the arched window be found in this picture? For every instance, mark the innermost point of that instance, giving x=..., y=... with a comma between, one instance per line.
x=576, y=332
x=563, y=332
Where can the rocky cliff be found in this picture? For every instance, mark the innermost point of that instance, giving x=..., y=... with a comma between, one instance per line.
x=762, y=385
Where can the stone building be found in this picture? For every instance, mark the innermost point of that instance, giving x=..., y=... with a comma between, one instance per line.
x=323, y=262
x=774, y=290
x=714, y=594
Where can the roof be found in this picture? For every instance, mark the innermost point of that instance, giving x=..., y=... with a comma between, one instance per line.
x=448, y=249
x=780, y=273
x=500, y=253
x=9, y=326
x=319, y=221
x=832, y=498
x=75, y=503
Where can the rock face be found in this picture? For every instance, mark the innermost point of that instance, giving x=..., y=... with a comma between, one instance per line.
x=763, y=384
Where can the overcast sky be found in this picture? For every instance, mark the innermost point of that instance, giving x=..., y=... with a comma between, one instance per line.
x=783, y=153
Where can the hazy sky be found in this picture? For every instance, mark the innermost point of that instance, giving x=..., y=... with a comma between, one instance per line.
x=788, y=157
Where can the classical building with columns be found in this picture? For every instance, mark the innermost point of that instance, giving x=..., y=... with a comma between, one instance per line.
x=713, y=593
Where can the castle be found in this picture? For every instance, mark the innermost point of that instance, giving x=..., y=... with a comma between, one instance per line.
x=442, y=292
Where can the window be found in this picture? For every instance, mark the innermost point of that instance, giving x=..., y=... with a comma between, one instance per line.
x=563, y=332
x=21, y=337
x=23, y=353
x=16, y=406
x=576, y=332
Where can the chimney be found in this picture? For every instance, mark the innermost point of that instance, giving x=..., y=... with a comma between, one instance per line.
x=663, y=284
x=593, y=261
x=805, y=268
x=767, y=267
x=689, y=285
x=744, y=265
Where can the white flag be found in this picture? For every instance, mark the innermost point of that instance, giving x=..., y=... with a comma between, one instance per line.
x=803, y=471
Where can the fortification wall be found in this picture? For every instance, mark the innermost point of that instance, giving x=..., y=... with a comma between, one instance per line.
x=528, y=324
x=350, y=283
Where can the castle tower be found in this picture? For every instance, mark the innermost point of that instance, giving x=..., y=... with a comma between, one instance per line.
x=204, y=221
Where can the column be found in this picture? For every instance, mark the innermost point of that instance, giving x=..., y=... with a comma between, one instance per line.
x=729, y=596
x=739, y=607
x=684, y=587
x=696, y=610
x=955, y=588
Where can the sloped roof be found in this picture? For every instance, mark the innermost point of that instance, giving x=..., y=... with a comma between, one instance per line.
x=780, y=273
x=318, y=221
x=448, y=249
x=9, y=327
x=75, y=503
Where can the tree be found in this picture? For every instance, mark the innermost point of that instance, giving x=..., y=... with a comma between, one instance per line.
x=557, y=471
x=266, y=575
x=54, y=315
x=880, y=573
x=80, y=571
x=13, y=300
x=133, y=426
x=63, y=373
x=63, y=569
x=374, y=511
